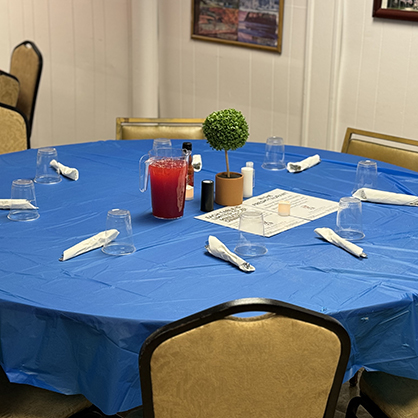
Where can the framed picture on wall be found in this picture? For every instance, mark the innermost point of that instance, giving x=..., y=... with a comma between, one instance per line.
x=248, y=23
x=396, y=9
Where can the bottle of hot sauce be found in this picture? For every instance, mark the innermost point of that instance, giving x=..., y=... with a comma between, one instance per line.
x=190, y=172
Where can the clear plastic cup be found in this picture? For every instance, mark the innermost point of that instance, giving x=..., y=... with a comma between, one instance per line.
x=23, y=189
x=366, y=175
x=251, y=236
x=349, y=224
x=119, y=219
x=274, y=157
x=45, y=174
x=161, y=143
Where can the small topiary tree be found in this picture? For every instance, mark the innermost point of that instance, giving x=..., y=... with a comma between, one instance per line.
x=226, y=130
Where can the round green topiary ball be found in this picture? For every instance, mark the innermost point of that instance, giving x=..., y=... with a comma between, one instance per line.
x=226, y=129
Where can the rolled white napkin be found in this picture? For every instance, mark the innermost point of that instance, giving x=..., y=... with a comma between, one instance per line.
x=89, y=244
x=220, y=250
x=17, y=204
x=304, y=164
x=330, y=236
x=379, y=196
x=69, y=172
x=197, y=162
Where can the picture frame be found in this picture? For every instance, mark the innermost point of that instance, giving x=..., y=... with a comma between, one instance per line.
x=247, y=23
x=396, y=9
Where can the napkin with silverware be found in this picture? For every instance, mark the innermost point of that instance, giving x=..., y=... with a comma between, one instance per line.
x=220, y=250
x=197, y=162
x=16, y=203
x=71, y=173
x=89, y=244
x=379, y=196
x=304, y=164
x=330, y=236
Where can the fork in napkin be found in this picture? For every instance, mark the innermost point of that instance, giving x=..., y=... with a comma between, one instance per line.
x=218, y=249
x=329, y=235
x=17, y=204
x=89, y=244
x=304, y=164
x=69, y=172
x=379, y=196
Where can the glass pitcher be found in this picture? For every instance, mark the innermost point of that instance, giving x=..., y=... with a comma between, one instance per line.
x=167, y=169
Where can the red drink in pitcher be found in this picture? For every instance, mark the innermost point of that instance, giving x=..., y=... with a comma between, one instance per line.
x=168, y=187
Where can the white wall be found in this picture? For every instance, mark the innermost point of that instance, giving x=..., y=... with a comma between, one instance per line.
x=86, y=78
x=339, y=67
x=379, y=67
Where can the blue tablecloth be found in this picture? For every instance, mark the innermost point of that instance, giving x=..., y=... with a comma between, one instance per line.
x=77, y=326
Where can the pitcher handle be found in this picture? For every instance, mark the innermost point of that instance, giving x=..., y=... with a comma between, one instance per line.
x=144, y=163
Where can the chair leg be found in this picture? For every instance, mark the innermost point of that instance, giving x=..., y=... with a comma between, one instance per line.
x=354, y=380
x=352, y=407
x=367, y=404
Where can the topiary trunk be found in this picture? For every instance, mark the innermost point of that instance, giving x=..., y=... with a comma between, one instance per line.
x=227, y=164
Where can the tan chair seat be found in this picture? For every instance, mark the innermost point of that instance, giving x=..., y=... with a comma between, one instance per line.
x=386, y=395
x=396, y=396
x=25, y=401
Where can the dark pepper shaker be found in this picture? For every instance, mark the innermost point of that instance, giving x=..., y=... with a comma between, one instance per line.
x=207, y=196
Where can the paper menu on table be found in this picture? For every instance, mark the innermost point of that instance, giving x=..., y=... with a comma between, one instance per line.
x=303, y=209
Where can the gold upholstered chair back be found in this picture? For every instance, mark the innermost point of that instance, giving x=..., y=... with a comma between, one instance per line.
x=152, y=128
x=26, y=65
x=285, y=361
x=390, y=149
x=9, y=89
x=13, y=130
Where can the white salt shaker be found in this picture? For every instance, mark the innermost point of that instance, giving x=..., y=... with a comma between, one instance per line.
x=248, y=175
x=251, y=165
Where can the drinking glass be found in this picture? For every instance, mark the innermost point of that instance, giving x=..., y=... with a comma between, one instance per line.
x=274, y=156
x=119, y=219
x=45, y=174
x=23, y=189
x=251, y=234
x=349, y=223
x=366, y=175
x=161, y=143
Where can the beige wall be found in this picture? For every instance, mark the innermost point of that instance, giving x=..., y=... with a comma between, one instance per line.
x=86, y=79
x=339, y=67
x=198, y=77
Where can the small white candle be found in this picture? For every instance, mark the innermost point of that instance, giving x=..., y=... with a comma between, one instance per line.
x=284, y=208
x=189, y=192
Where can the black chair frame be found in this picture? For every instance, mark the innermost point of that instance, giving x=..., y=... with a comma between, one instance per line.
x=364, y=401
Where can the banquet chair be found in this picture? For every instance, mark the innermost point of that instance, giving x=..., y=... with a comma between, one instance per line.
x=26, y=65
x=13, y=130
x=152, y=128
x=384, y=395
x=390, y=149
x=9, y=89
x=25, y=401
x=227, y=362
